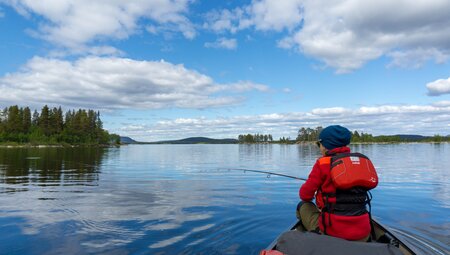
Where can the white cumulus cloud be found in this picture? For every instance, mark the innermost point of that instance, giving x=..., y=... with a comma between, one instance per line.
x=346, y=34
x=276, y=14
x=263, y=15
x=116, y=83
x=439, y=87
x=442, y=104
x=75, y=23
x=223, y=43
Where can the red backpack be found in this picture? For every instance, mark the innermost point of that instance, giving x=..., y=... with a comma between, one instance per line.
x=350, y=170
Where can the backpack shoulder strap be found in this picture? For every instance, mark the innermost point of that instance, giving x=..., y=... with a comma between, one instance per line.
x=352, y=154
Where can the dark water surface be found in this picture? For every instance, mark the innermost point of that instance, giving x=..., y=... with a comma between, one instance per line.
x=172, y=199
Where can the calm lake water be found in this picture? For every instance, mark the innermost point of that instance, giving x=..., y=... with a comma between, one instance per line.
x=174, y=199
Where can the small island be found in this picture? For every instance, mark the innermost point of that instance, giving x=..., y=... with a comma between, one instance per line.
x=18, y=126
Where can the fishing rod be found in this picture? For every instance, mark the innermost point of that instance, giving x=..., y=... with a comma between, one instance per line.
x=264, y=172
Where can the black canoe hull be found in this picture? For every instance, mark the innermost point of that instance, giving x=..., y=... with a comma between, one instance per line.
x=383, y=235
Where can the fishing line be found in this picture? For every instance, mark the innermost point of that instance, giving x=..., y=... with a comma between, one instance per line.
x=263, y=172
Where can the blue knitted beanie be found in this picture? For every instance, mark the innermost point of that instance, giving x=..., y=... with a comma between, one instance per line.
x=335, y=136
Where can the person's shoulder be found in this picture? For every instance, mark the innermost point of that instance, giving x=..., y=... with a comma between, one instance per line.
x=323, y=160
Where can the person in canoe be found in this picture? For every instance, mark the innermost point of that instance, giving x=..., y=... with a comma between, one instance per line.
x=340, y=182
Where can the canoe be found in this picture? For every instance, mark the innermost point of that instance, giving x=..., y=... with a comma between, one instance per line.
x=298, y=241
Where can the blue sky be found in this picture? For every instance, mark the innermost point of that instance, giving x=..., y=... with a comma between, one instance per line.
x=169, y=69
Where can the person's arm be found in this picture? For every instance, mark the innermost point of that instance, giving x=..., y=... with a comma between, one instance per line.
x=309, y=188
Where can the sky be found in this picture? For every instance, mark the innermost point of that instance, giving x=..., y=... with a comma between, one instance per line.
x=171, y=69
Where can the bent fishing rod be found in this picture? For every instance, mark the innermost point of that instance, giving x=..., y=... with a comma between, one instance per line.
x=264, y=172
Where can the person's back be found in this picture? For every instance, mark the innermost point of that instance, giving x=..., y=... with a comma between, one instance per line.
x=340, y=212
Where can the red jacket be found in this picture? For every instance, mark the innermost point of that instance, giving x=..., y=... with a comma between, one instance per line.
x=347, y=227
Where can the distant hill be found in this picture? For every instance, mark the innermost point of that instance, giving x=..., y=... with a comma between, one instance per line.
x=197, y=140
x=127, y=140
x=413, y=137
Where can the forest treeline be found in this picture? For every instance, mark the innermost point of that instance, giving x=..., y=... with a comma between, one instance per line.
x=53, y=126
x=256, y=138
x=262, y=138
x=312, y=135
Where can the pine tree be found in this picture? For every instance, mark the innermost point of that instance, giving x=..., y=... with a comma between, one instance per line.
x=35, y=119
x=14, y=122
x=59, y=120
x=44, y=121
x=99, y=123
x=26, y=120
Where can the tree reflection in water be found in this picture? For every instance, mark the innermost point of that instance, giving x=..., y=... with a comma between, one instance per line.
x=79, y=166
